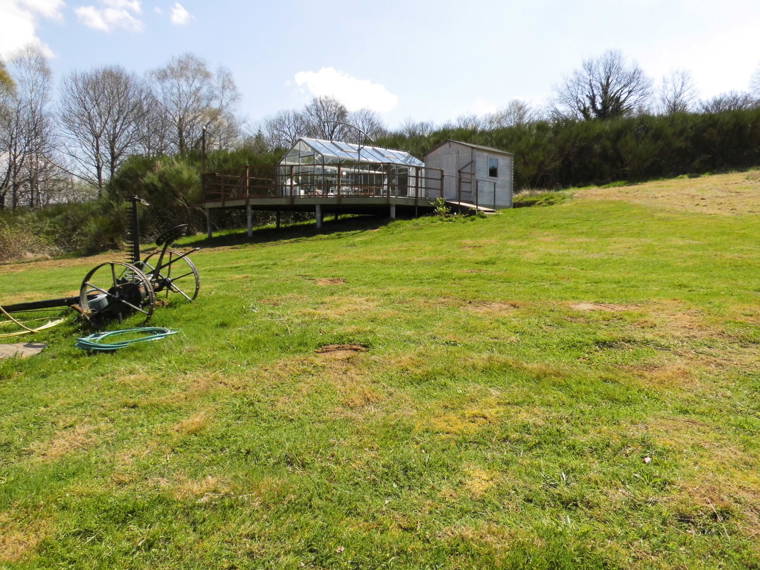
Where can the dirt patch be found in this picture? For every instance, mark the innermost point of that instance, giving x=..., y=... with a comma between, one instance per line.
x=607, y=307
x=342, y=348
x=492, y=307
x=326, y=281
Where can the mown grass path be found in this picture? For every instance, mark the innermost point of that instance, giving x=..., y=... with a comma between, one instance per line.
x=548, y=387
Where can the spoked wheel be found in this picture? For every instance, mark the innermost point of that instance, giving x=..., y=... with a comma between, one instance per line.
x=116, y=290
x=176, y=274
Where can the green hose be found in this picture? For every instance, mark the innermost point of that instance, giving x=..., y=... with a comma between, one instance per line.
x=94, y=342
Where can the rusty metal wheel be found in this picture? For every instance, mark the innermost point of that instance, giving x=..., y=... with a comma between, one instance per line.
x=176, y=274
x=116, y=290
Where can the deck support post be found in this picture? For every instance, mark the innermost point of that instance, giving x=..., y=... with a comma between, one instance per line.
x=209, y=231
x=248, y=220
x=393, y=211
x=277, y=220
x=318, y=213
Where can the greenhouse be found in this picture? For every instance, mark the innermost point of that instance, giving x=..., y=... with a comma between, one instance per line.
x=321, y=168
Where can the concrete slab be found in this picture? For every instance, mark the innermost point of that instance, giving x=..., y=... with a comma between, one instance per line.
x=21, y=350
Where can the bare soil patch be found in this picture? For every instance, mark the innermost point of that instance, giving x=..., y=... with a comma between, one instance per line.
x=607, y=307
x=325, y=281
x=492, y=307
x=330, y=348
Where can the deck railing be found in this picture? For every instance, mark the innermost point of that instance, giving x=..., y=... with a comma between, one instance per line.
x=296, y=182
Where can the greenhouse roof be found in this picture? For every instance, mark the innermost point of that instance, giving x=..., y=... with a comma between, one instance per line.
x=338, y=151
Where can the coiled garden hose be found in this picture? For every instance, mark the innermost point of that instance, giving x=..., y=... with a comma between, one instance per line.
x=95, y=342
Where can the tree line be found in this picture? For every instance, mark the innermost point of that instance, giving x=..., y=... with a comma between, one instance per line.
x=606, y=121
x=102, y=117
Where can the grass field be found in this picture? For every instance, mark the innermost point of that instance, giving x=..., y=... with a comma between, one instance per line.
x=564, y=386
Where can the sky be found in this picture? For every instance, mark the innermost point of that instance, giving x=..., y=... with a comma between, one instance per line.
x=431, y=60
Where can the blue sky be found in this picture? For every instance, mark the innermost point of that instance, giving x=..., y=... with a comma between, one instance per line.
x=426, y=60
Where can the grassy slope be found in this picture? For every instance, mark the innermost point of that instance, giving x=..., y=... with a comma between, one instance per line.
x=521, y=367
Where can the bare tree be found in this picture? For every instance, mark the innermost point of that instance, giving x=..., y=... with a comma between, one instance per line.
x=469, y=122
x=412, y=128
x=324, y=117
x=282, y=130
x=677, y=93
x=604, y=88
x=25, y=136
x=731, y=101
x=194, y=98
x=157, y=129
x=225, y=129
x=367, y=122
x=516, y=113
x=102, y=116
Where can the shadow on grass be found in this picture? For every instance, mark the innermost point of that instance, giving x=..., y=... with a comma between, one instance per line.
x=289, y=232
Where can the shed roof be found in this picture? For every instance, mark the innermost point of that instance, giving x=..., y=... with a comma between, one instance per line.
x=475, y=146
x=339, y=151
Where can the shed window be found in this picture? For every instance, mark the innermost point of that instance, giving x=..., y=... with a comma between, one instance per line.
x=493, y=167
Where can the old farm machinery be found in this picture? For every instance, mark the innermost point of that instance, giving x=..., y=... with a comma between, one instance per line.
x=116, y=289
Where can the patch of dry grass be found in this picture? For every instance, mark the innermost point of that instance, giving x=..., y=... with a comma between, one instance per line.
x=66, y=441
x=730, y=194
x=20, y=539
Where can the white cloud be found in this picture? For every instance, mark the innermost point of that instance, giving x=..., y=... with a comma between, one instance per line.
x=354, y=93
x=44, y=8
x=18, y=23
x=111, y=15
x=180, y=16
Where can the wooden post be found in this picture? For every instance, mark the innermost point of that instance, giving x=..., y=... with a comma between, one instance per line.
x=277, y=219
x=209, y=232
x=248, y=211
x=318, y=213
x=441, y=177
x=393, y=211
x=477, y=191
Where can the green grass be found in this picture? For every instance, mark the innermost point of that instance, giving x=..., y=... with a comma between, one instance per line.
x=520, y=368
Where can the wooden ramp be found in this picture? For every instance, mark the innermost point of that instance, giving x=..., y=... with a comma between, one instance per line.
x=470, y=207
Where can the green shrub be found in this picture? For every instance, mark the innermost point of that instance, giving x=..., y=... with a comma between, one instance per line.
x=17, y=242
x=538, y=198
